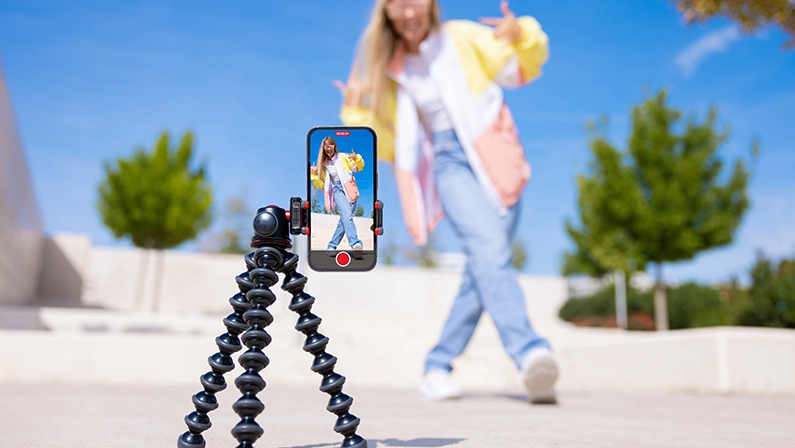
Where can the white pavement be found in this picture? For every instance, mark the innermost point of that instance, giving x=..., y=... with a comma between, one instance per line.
x=323, y=226
x=295, y=417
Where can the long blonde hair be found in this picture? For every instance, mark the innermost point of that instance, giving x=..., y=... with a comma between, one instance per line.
x=321, y=157
x=375, y=51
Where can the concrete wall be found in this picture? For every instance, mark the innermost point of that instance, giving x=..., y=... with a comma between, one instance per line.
x=381, y=324
x=21, y=236
x=64, y=269
x=132, y=350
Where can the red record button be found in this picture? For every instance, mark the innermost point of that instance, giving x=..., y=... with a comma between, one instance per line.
x=343, y=259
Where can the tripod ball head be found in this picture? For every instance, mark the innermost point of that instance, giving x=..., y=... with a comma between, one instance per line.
x=265, y=223
x=271, y=227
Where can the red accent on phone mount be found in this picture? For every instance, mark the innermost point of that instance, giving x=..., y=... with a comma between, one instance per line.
x=298, y=215
x=378, y=218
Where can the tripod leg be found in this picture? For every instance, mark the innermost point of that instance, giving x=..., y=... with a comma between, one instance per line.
x=324, y=362
x=262, y=264
x=220, y=363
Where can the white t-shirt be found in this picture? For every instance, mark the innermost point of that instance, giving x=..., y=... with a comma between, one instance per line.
x=332, y=171
x=422, y=90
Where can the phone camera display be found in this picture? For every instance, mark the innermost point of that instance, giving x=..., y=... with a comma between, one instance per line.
x=342, y=194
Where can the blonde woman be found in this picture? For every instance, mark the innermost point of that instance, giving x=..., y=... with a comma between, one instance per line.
x=334, y=176
x=433, y=93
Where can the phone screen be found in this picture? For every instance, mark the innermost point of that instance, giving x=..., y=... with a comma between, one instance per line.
x=341, y=187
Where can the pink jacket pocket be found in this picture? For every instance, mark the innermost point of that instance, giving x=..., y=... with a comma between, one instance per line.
x=351, y=189
x=503, y=157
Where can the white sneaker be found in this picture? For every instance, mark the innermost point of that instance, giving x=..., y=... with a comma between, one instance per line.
x=357, y=251
x=540, y=371
x=438, y=385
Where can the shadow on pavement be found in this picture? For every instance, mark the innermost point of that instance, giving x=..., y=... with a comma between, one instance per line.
x=522, y=398
x=421, y=442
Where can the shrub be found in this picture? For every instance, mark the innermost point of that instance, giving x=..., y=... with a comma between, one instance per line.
x=689, y=305
x=692, y=305
x=771, y=298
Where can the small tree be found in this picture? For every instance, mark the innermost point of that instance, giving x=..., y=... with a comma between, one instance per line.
x=316, y=206
x=606, y=207
x=518, y=254
x=387, y=252
x=607, y=203
x=662, y=200
x=235, y=235
x=156, y=199
x=751, y=15
x=359, y=212
x=425, y=256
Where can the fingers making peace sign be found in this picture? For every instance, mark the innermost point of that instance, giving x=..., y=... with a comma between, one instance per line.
x=506, y=27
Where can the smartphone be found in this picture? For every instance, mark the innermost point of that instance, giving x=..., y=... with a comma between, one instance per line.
x=342, y=187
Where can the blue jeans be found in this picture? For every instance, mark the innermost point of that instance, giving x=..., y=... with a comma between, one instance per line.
x=345, y=225
x=490, y=283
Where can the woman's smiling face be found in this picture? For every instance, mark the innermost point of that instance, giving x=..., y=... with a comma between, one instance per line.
x=411, y=20
x=329, y=148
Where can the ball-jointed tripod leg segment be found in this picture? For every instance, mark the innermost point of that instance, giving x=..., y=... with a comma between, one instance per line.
x=332, y=382
x=220, y=363
x=261, y=264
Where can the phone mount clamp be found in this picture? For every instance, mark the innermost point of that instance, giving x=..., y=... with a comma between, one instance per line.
x=270, y=257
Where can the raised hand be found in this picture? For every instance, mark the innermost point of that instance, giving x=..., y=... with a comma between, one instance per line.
x=313, y=170
x=354, y=92
x=506, y=27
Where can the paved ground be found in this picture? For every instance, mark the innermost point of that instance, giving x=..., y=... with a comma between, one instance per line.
x=323, y=227
x=116, y=416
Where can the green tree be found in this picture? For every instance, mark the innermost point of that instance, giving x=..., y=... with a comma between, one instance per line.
x=607, y=208
x=236, y=232
x=751, y=15
x=316, y=206
x=518, y=254
x=425, y=256
x=660, y=202
x=359, y=212
x=387, y=252
x=156, y=199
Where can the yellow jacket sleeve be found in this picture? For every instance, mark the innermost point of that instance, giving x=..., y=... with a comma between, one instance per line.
x=532, y=48
x=363, y=116
x=317, y=182
x=478, y=48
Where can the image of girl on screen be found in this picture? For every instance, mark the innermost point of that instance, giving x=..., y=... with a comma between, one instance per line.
x=433, y=92
x=333, y=175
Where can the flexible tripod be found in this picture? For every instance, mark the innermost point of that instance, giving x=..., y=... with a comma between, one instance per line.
x=272, y=229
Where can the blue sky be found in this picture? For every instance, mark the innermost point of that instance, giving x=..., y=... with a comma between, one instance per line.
x=90, y=81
